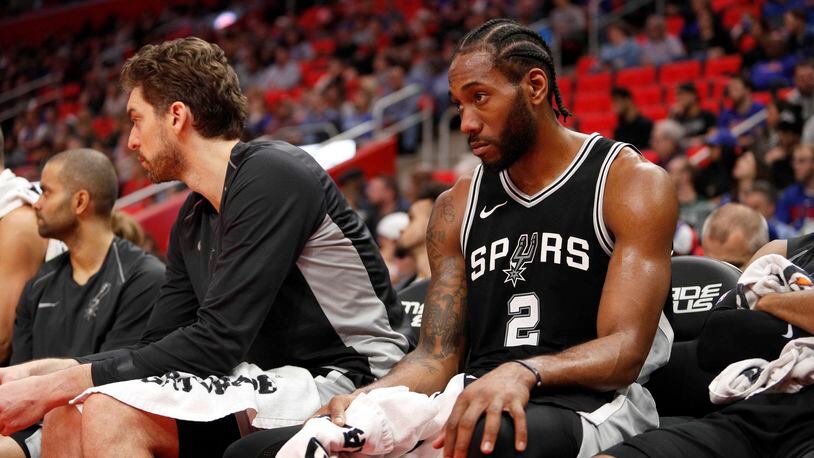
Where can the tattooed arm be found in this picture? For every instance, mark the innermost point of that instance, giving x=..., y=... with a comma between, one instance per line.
x=442, y=344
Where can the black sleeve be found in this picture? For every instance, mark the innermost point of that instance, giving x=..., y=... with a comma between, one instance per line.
x=21, y=340
x=268, y=215
x=135, y=304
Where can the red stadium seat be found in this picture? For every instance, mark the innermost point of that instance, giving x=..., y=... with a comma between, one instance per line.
x=597, y=122
x=719, y=5
x=764, y=97
x=637, y=76
x=654, y=112
x=647, y=95
x=734, y=14
x=711, y=105
x=718, y=88
x=566, y=86
x=725, y=65
x=591, y=102
x=680, y=72
x=595, y=82
x=675, y=24
x=584, y=64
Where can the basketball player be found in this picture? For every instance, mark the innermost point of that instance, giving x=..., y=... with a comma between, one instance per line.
x=550, y=268
x=267, y=264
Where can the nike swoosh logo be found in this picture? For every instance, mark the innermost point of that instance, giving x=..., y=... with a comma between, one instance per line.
x=485, y=214
x=45, y=305
x=789, y=334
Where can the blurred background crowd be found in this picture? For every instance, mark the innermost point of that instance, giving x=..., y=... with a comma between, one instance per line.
x=720, y=93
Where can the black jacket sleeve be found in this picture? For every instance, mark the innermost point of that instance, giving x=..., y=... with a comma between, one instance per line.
x=269, y=210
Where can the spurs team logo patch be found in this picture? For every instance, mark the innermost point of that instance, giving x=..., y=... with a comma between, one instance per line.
x=523, y=254
x=93, y=305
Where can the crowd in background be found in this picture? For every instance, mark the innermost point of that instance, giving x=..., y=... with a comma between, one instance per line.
x=331, y=61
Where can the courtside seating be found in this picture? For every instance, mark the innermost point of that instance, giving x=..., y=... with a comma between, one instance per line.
x=679, y=72
x=681, y=387
x=594, y=82
x=647, y=95
x=636, y=77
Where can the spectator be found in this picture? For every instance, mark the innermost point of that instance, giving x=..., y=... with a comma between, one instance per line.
x=803, y=92
x=413, y=240
x=798, y=34
x=665, y=140
x=762, y=197
x=388, y=232
x=101, y=291
x=383, y=195
x=706, y=38
x=569, y=24
x=776, y=69
x=789, y=127
x=621, y=50
x=688, y=112
x=631, y=126
x=659, y=47
x=692, y=209
x=739, y=92
x=746, y=171
x=733, y=233
x=795, y=206
x=715, y=178
x=283, y=74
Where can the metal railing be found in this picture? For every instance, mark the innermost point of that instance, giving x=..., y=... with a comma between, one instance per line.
x=145, y=193
x=23, y=105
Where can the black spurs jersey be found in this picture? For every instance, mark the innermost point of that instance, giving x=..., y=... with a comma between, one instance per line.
x=536, y=265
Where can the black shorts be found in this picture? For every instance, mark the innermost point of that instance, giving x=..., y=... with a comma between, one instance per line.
x=552, y=432
x=768, y=425
x=30, y=440
x=205, y=439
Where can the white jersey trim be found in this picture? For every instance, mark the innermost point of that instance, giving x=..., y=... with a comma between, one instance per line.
x=601, y=230
x=471, y=207
x=529, y=201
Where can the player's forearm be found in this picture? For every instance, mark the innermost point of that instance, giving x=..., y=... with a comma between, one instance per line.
x=64, y=385
x=419, y=372
x=48, y=365
x=795, y=307
x=603, y=364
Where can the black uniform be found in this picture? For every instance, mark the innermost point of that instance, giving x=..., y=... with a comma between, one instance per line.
x=56, y=317
x=282, y=274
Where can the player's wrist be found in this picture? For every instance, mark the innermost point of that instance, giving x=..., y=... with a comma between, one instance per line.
x=528, y=373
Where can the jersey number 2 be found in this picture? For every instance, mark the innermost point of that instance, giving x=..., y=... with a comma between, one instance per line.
x=524, y=310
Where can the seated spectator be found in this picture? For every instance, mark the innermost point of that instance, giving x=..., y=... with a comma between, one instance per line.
x=688, y=112
x=803, y=92
x=739, y=92
x=99, y=294
x=788, y=128
x=799, y=36
x=413, y=239
x=665, y=140
x=621, y=50
x=745, y=172
x=126, y=227
x=388, y=232
x=776, y=69
x=284, y=73
x=795, y=206
x=733, y=233
x=715, y=179
x=659, y=47
x=384, y=198
x=762, y=197
x=706, y=37
x=692, y=209
x=631, y=126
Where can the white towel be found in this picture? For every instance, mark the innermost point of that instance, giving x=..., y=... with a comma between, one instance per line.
x=769, y=274
x=789, y=373
x=284, y=396
x=389, y=422
x=15, y=192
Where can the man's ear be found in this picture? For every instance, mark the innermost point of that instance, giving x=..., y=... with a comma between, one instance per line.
x=179, y=115
x=80, y=202
x=538, y=88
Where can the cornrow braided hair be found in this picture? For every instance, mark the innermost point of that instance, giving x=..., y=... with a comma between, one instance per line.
x=516, y=50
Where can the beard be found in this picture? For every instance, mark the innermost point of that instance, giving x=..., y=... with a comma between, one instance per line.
x=167, y=164
x=519, y=134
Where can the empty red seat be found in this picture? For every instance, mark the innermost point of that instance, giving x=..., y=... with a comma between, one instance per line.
x=647, y=95
x=594, y=82
x=566, y=86
x=675, y=24
x=712, y=105
x=584, y=64
x=654, y=112
x=591, y=102
x=597, y=122
x=637, y=76
x=680, y=72
x=724, y=65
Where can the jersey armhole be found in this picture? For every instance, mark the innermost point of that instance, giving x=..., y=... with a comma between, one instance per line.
x=471, y=207
x=603, y=235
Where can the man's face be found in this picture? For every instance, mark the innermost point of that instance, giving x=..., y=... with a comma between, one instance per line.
x=760, y=202
x=736, y=90
x=414, y=235
x=495, y=114
x=804, y=79
x=158, y=152
x=55, y=216
x=803, y=164
x=376, y=191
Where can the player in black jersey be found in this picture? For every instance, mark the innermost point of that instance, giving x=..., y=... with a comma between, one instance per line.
x=267, y=265
x=550, y=268
x=95, y=297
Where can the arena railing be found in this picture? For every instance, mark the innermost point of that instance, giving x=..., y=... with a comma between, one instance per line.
x=18, y=96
